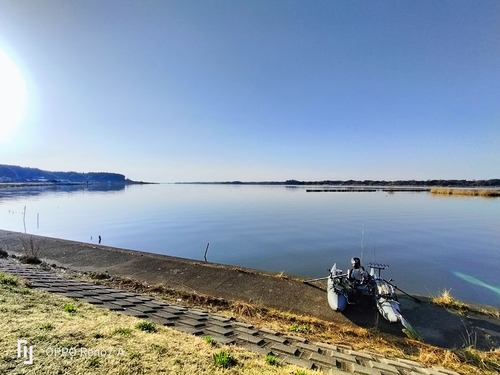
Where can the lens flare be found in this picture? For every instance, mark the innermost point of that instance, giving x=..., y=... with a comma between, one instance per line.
x=13, y=97
x=473, y=280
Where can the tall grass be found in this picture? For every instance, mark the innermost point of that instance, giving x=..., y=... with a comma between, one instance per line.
x=466, y=192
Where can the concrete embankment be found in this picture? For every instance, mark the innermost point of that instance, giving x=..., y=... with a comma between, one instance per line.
x=436, y=325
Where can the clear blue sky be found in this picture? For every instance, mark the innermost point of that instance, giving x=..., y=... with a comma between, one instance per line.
x=253, y=90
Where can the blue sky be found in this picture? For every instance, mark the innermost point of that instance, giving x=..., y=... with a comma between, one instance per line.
x=254, y=90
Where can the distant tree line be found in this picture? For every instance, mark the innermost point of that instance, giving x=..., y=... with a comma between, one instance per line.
x=12, y=173
x=444, y=183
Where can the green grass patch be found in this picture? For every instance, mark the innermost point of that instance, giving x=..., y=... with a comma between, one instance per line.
x=271, y=360
x=300, y=328
x=8, y=280
x=123, y=331
x=158, y=348
x=209, y=340
x=146, y=327
x=70, y=308
x=47, y=327
x=224, y=359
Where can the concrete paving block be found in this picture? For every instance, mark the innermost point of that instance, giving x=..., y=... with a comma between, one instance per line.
x=152, y=305
x=92, y=301
x=296, y=338
x=135, y=300
x=109, y=306
x=299, y=362
x=72, y=295
x=256, y=340
x=218, y=323
x=268, y=331
x=178, y=307
x=326, y=346
x=275, y=338
x=200, y=318
x=335, y=371
x=344, y=347
x=122, y=303
x=323, y=359
x=56, y=290
x=118, y=295
x=383, y=367
x=90, y=287
x=363, y=355
x=89, y=293
x=165, y=315
x=144, y=309
x=311, y=348
x=221, y=318
x=289, y=350
x=343, y=357
x=188, y=329
x=198, y=311
x=73, y=289
x=38, y=284
x=191, y=323
x=409, y=362
x=397, y=364
x=102, y=297
x=134, y=313
x=219, y=330
x=248, y=331
x=362, y=370
x=144, y=298
x=170, y=310
x=244, y=325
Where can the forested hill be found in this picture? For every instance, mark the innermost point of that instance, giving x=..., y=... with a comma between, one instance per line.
x=12, y=173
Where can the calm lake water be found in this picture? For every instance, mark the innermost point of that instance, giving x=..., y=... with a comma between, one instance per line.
x=431, y=243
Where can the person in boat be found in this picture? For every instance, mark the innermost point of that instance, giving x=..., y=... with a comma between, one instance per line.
x=357, y=274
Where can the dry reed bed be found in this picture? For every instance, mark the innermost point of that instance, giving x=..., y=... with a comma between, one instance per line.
x=466, y=192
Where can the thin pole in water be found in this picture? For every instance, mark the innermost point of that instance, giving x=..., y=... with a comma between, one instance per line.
x=205, y=256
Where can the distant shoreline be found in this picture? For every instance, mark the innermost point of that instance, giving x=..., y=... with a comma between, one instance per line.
x=492, y=183
x=67, y=183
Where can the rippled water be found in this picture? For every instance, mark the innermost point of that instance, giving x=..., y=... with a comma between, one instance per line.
x=430, y=242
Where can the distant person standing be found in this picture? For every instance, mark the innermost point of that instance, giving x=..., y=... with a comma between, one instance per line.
x=99, y=239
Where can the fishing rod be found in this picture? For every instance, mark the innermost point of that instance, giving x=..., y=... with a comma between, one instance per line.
x=402, y=291
x=324, y=278
x=319, y=278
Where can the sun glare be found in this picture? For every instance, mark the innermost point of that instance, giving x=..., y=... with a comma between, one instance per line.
x=13, y=97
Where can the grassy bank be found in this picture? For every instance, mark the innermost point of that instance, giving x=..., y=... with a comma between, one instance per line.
x=49, y=322
x=70, y=337
x=466, y=360
x=466, y=192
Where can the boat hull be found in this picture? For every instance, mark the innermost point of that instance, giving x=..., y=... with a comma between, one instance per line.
x=336, y=296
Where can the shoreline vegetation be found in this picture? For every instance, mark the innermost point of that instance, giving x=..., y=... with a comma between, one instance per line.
x=50, y=319
x=488, y=193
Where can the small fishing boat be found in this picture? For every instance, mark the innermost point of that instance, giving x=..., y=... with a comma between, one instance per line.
x=341, y=292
